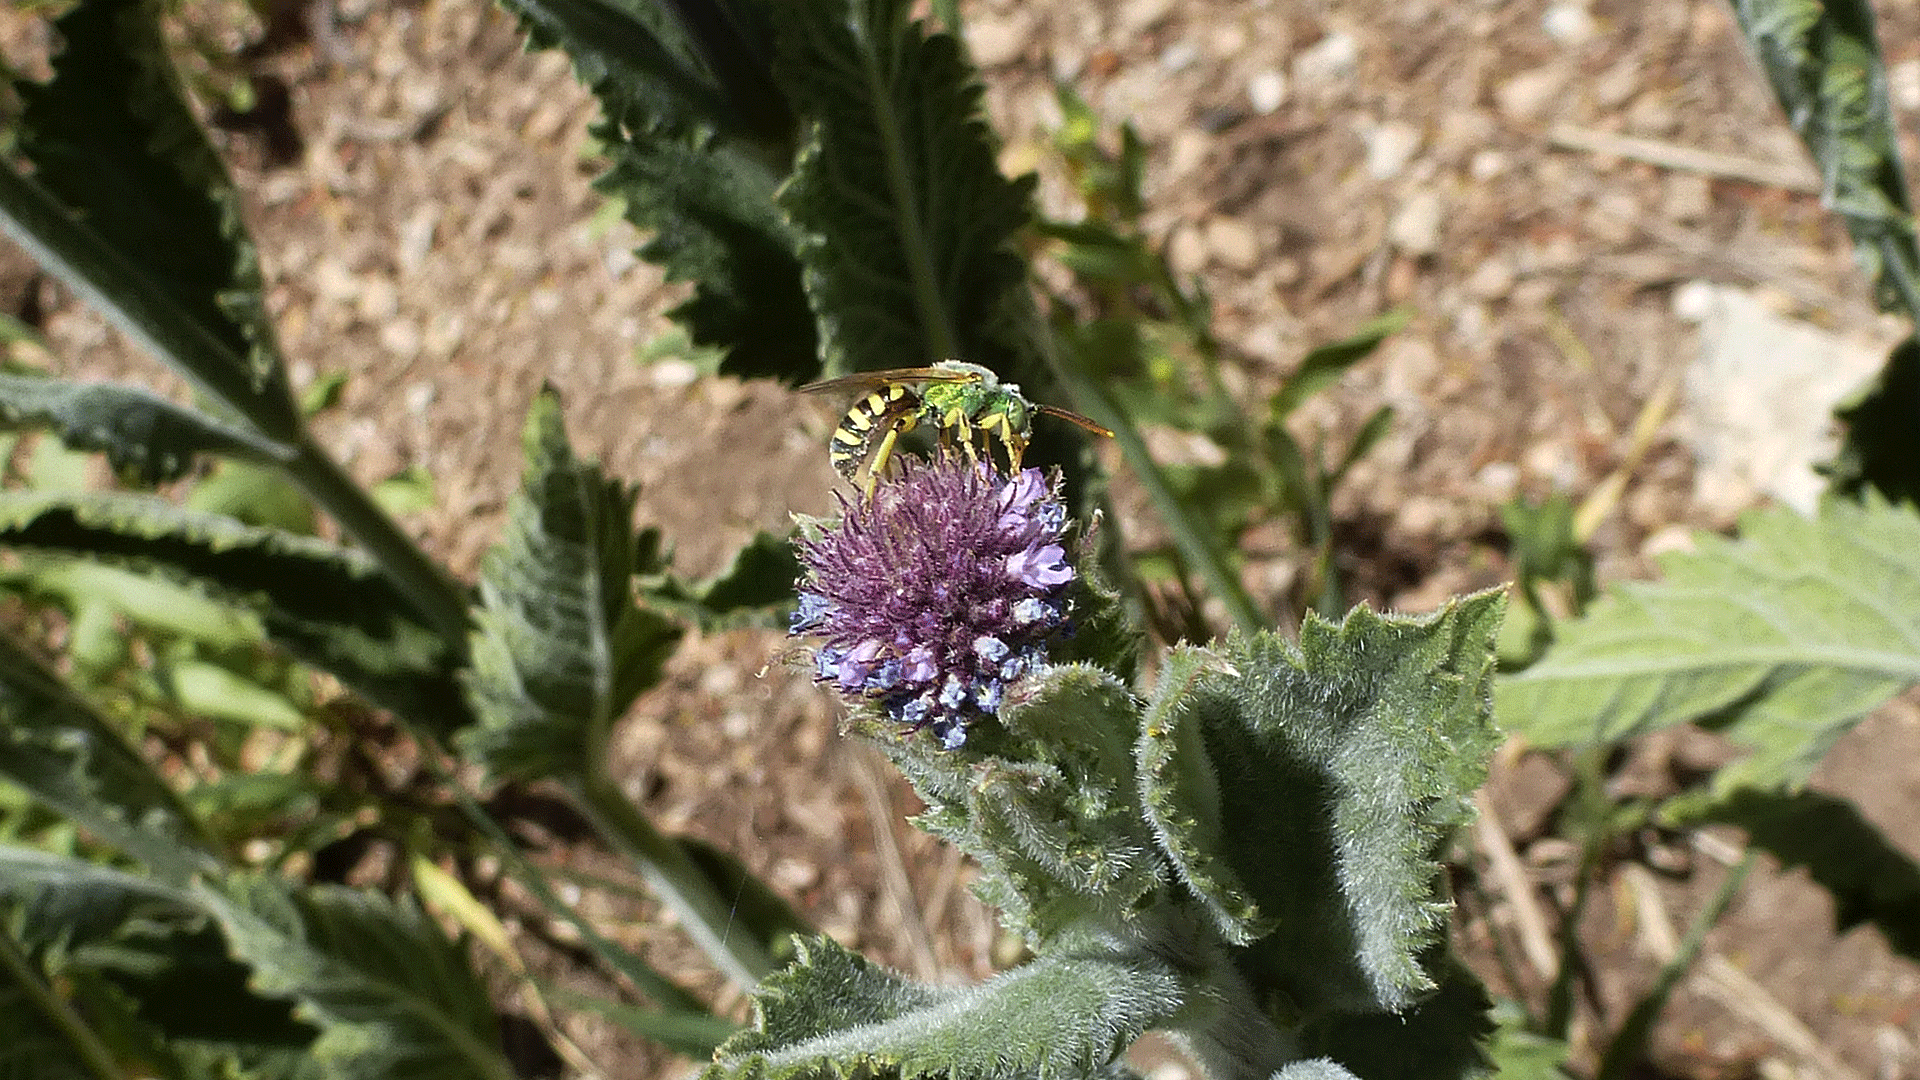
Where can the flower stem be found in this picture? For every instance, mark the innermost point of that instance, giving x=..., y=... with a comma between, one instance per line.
x=689, y=893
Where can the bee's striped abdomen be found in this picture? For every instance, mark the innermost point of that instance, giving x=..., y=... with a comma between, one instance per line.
x=887, y=406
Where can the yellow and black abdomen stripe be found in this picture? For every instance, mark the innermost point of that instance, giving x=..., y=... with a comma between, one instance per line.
x=896, y=407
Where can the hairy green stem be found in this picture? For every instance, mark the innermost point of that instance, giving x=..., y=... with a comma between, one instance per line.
x=90, y=1051
x=434, y=593
x=689, y=893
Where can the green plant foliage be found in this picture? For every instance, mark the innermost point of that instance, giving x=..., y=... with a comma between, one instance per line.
x=833, y=1014
x=697, y=138
x=1437, y=1039
x=53, y=744
x=147, y=223
x=145, y=437
x=390, y=994
x=1870, y=878
x=909, y=223
x=1823, y=60
x=1781, y=640
x=1049, y=805
x=560, y=649
x=756, y=587
x=253, y=495
x=1303, y=793
x=1879, y=451
x=327, y=605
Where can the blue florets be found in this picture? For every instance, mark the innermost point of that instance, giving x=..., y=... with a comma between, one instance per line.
x=939, y=592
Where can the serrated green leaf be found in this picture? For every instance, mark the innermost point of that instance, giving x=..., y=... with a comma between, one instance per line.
x=145, y=437
x=390, y=994
x=1782, y=640
x=833, y=1014
x=697, y=138
x=1046, y=801
x=756, y=587
x=560, y=649
x=1304, y=791
x=908, y=222
x=56, y=746
x=130, y=204
x=1438, y=1039
x=1823, y=61
x=329, y=606
x=1870, y=878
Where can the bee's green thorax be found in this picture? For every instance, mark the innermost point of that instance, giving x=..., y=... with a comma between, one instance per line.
x=975, y=400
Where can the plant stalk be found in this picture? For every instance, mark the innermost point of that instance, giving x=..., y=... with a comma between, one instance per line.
x=706, y=916
x=434, y=593
x=87, y=1047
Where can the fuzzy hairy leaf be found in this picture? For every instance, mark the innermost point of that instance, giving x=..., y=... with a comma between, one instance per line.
x=1823, y=61
x=390, y=994
x=1438, y=1039
x=560, y=649
x=1782, y=640
x=696, y=135
x=329, y=606
x=147, y=223
x=908, y=220
x=154, y=944
x=833, y=1014
x=144, y=436
x=1047, y=802
x=1303, y=793
x=53, y=744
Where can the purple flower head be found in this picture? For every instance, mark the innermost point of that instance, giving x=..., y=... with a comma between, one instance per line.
x=939, y=591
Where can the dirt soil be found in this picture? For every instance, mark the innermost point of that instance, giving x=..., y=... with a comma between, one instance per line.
x=423, y=207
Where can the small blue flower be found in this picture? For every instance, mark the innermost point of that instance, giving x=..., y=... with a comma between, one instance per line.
x=938, y=592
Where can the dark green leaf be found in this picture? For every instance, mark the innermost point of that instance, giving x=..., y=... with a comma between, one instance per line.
x=1304, y=793
x=756, y=587
x=697, y=149
x=1438, y=1039
x=145, y=437
x=326, y=605
x=1323, y=366
x=560, y=649
x=390, y=994
x=1880, y=450
x=1824, y=63
x=148, y=224
x=909, y=223
x=691, y=1034
x=833, y=1014
x=56, y=746
x=1782, y=639
x=253, y=495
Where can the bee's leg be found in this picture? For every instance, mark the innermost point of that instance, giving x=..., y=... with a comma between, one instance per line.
x=883, y=453
x=960, y=423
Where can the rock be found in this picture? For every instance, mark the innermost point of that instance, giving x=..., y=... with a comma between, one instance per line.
x=997, y=40
x=1688, y=197
x=1267, y=91
x=1187, y=251
x=1903, y=85
x=1233, y=243
x=1415, y=228
x=1389, y=147
x=1568, y=23
x=1139, y=15
x=1331, y=60
x=1759, y=396
x=1526, y=95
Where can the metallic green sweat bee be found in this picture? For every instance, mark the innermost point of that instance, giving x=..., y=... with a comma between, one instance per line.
x=967, y=403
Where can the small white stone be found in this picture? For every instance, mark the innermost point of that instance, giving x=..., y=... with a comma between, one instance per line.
x=1187, y=250
x=1498, y=480
x=673, y=374
x=420, y=397
x=1389, y=147
x=1568, y=23
x=1415, y=228
x=1487, y=164
x=997, y=41
x=1233, y=242
x=1696, y=301
x=1332, y=59
x=1178, y=56
x=1526, y=95
x=1267, y=90
x=1903, y=85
